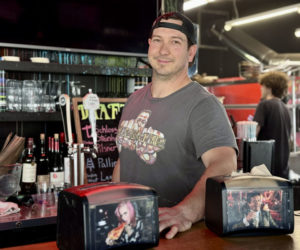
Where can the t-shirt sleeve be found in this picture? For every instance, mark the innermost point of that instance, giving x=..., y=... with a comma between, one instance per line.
x=210, y=126
x=259, y=115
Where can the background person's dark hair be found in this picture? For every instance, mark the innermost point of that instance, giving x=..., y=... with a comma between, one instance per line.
x=276, y=81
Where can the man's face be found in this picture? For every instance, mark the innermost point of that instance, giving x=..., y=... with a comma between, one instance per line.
x=168, y=51
x=255, y=203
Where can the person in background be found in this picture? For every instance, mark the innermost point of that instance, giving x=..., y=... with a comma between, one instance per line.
x=273, y=119
x=173, y=134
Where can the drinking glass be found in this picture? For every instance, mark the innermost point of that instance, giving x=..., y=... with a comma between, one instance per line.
x=76, y=88
x=31, y=96
x=43, y=192
x=46, y=105
x=28, y=96
x=54, y=93
x=14, y=95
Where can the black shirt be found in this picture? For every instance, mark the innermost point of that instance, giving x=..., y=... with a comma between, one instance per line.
x=275, y=123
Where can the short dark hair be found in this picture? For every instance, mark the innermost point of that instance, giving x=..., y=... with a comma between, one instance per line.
x=276, y=81
x=251, y=195
x=186, y=27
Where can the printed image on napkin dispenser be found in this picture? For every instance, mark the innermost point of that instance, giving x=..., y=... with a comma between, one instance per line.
x=249, y=205
x=106, y=216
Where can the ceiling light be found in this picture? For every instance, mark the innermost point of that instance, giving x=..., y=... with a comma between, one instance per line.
x=297, y=33
x=190, y=4
x=262, y=16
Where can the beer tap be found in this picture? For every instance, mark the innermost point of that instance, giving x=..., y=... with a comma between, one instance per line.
x=91, y=103
x=64, y=101
x=69, y=165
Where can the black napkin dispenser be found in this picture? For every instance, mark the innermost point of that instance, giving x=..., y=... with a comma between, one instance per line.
x=106, y=216
x=249, y=205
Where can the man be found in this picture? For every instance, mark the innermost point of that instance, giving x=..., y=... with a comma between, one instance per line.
x=256, y=215
x=184, y=137
x=274, y=120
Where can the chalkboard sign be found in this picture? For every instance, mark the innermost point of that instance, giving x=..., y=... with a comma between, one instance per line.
x=99, y=169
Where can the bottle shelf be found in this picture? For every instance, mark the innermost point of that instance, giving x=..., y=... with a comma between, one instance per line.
x=27, y=116
x=78, y=69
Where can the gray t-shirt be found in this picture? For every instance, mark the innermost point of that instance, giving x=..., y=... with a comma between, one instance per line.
x=161, y=140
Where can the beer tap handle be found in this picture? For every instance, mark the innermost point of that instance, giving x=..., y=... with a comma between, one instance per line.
x=64, y=102
x=91, y=103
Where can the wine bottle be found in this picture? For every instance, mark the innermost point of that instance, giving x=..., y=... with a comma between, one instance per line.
x=28, y=181
x=56, y=168
x=43, y=163
x=63, y=147
x=65, y=157
x=50, y=151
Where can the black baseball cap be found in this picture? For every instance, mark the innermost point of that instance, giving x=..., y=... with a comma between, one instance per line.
x=186, y=27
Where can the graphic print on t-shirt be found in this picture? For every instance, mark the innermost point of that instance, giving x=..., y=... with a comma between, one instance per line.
x=134, y=135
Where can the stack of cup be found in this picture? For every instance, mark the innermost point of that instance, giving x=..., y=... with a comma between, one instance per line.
x=246, y=130
x=31, y=96
x=2, y=92
x=14, y=95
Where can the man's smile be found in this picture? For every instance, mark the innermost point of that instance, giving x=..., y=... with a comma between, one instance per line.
x=164, y=60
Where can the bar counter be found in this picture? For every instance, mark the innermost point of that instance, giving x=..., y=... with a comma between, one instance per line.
x=200, y=237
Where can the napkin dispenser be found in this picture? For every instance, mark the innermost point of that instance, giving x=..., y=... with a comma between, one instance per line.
x=107, y=215
x=249, y=205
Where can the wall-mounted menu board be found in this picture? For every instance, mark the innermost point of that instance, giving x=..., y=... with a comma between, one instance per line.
x=99, y=169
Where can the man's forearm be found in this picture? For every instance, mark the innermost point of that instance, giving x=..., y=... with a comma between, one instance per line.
x=193, y=206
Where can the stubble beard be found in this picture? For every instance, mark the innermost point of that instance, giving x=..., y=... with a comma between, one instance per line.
x=166, y=73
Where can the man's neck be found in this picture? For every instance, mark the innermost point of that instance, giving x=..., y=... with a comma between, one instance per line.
x=163, y=87
x=270, y=96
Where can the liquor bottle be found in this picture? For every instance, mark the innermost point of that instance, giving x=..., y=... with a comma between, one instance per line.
x=56, y=168
x=43, y=163
x=65, y=158
x=28, y=181
x=50, y=149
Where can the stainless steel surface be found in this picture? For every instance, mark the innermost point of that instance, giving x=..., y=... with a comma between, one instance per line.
x=253, y=50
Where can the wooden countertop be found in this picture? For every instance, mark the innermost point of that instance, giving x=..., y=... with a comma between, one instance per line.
x=200, y=237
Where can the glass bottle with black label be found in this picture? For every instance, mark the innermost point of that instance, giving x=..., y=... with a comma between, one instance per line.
x=65, y=158
x=56, y=168
x=43, y=163
x=50, y=150
x=28, y=181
